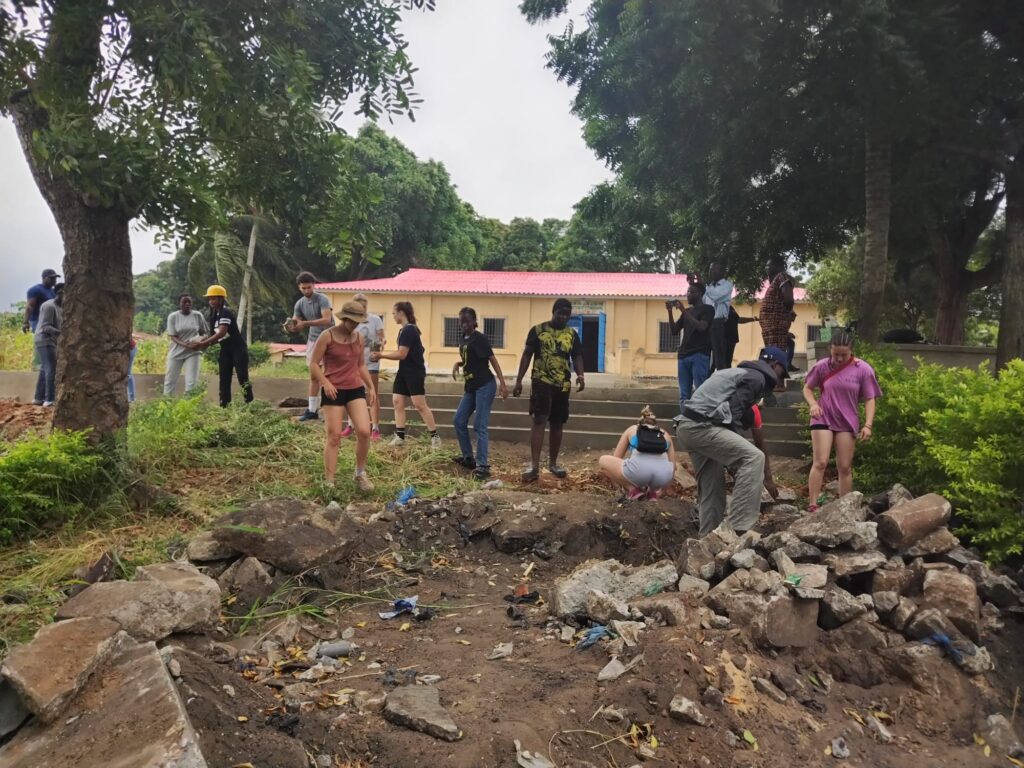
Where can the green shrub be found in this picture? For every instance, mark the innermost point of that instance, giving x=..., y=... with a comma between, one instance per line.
x=259, y=353
x=47, y=481
x=16, y=348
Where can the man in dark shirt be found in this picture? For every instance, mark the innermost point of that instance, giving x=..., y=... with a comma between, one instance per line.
x=695, y=348
x=234, y=353
x=37, y=294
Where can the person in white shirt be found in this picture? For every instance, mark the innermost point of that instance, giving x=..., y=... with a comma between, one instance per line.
x=372, y=331
x=312, y=311
x=718, y=295
x=184, y=327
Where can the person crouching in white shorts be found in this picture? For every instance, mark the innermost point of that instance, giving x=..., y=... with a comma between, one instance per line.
x=651, y=464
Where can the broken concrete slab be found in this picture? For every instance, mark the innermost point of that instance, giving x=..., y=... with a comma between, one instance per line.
x=569, y=593
x=290, y=534
x=956, y=595
x=205, y=547
x=419, y=707
x=850, y=563
x=51, y=669
x=129, y=714
x=912, y=520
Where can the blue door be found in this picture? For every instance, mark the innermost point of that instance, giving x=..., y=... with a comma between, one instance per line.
x=576, y=321
x=600, y=341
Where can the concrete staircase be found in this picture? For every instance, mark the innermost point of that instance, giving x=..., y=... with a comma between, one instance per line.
x=598, y=416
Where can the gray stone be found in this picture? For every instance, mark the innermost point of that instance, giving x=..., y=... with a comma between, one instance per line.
x=695, y=558
x=151, y=608
x=957, y=597
x=787, y=622
x=602, y=607
x=673, y=607
x=712, y=697
x=902, y=614
x=205, y=547
x=920, y=665
x=290, y=534
x=848, y=564
x=928, y=622
x=959, y=556
x=999, y=733
x=838, y=607
x=799, y=551
x=50, y=670
x=768, y=689
x=13, y=711
x=840, y=749
x=885, y=602
x=937, y=542
x=129, y=714
x=681, y=708
x=248, y=580
x=806, y=593
x=839, y=522
x=811, y=575
x=998, y=590
x=419, y=707
x=692, y=587
x=740, y=585
x=893, y=576
x=879, y=731
x=976, y=660
x=787, y=681
x=743, y=559
x=569, y=593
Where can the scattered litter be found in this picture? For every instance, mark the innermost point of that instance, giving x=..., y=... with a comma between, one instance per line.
x=751, y=739
x=629, y=631
x=500, y=651
x=339, y=649
x=492, y=485
x=402, y=605
x=404, y=496
x=653, y=589
x=613, y=670
x=523, y=597
x=527, y=759
x=428, y=679
x=591, y=636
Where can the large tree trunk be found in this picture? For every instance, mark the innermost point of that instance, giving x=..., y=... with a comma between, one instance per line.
x=878, y=207
x=98, y=303
x=951, y=310
x=1011, y=319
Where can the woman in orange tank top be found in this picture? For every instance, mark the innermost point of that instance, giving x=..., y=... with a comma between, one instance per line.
x=339, y=365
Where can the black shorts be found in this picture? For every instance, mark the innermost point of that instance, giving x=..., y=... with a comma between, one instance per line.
x=410, y=384
x=345, y=396
x=548, y=403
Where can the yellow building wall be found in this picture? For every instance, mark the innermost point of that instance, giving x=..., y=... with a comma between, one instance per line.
x=631, y=331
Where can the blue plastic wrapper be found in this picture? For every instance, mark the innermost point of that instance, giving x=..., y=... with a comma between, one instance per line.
x=402, y=605
x=592, y=635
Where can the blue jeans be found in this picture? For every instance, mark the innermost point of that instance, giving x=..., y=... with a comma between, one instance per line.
x=693, y=371
x=480, y=402
x=46, y=391
x=131, y=376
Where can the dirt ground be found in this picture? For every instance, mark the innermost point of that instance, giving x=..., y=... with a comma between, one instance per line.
x=17, y=418
x=546, y=694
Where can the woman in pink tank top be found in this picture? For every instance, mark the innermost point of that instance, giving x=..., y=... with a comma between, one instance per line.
x=338, y=364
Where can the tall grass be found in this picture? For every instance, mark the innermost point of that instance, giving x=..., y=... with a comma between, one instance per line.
x=16, y=349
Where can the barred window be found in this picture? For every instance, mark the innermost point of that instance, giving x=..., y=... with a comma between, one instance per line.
x=667, y=341
x=452, y=332
x=813, y=333
x=494, y=330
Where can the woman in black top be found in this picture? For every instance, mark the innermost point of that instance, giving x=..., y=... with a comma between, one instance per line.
x=411, y=378
x=476, y=360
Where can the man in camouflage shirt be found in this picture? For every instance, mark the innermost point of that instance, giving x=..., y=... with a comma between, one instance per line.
x=551, y=346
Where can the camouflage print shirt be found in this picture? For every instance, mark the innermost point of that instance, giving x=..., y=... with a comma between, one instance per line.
x=553, y=350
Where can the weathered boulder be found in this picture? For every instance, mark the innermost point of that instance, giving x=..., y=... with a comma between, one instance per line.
x=998, y=590
x=419, y=707
x=838, y=607
x=911, y=521
x=204, y=548
x=920, y=665
x=840, y=522
x=696, y=559
x=885, y=602
x=166, y=598
x=569, y=593
x=290, y=534
x=128, y=714
x=937, y=542
x=787, y=622
x=748, y=558
x=892, y=576
x=850, y=563
x=797, y=550
x=955, y=595
x=863, y=635
x=57, y=663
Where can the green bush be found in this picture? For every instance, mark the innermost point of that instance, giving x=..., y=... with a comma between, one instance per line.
x=259, y=353
x=16, y=348
x=47, y=481
x=954, y=431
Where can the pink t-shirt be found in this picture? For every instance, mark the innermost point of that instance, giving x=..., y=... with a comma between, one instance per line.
x=843, y=393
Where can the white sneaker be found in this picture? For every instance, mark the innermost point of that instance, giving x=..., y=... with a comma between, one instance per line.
x=48, y=404
x=363, y=483
x=435, y=442
x=396, y=441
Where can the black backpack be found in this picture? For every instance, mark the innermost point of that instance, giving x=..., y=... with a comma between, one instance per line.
x=650, y=439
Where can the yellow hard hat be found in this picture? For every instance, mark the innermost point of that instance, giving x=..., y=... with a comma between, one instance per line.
x=215, y=290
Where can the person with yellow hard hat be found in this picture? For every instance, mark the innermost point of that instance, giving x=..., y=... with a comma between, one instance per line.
x=234, y=353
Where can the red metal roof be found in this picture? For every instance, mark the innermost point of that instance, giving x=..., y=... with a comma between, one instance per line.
x=568, y=284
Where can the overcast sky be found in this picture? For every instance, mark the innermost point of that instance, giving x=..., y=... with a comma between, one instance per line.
x=492, y=113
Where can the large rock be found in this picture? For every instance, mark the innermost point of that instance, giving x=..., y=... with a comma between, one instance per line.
x=681, y=708
x=911, y=521
x=205, y=548
x=998, y=590
x=795, y=549
x=851, y=563
x=937, y=542
x=929, y=622
x=673, y=607
x=957, y=597
x=696, y=559
x=810, y=575
x=901, y=615
x=602, y=607
x=165, y=598
x=13, y=711
x=920, y=665
x=290, y=534
x=129, y=715
x=893, y=576
x=569, y=593
x=840, y=522
x=248, y=580
x=51, y=669
x=693, y=587
x=787, y=622
x=838, y=607
x=419, y=707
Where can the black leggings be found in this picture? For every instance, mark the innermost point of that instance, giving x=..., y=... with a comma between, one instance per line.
x=236, y=359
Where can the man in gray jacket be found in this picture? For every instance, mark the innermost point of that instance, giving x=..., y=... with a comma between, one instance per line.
x=709, y=429
x=46, y=335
